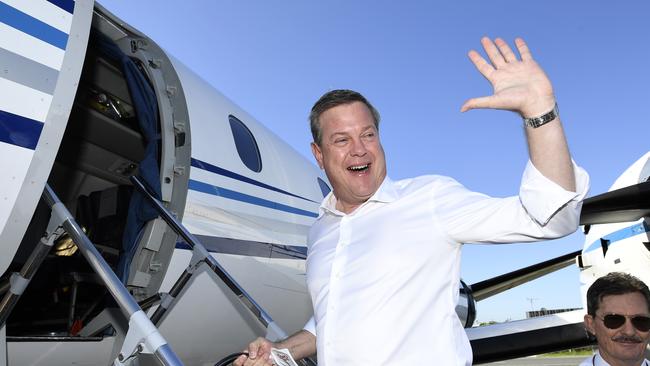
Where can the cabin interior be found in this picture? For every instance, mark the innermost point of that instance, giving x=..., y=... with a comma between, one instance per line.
x=103, y=145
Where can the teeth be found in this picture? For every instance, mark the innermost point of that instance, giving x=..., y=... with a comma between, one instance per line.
x=358, y=167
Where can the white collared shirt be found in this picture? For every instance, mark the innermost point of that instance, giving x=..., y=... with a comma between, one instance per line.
x=384, y=279
x=597, y=360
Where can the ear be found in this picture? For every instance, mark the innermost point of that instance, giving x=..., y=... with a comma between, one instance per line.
x=589, y=324
x=318, y=154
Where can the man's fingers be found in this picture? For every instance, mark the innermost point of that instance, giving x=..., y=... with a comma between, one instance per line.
x=475, y=103
x=507, y=53
x=491, y=102
x=240, y=360
x=254, y=349
x=481, y=65
x=522, y=47
x=493, y=52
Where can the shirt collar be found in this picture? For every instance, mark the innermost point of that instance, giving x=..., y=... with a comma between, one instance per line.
x=386, y=193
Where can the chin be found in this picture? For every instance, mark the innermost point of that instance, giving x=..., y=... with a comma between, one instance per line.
x=630, y=354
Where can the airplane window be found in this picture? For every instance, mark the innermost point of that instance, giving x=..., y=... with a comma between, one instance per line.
x=246, y=145
x=324, y=188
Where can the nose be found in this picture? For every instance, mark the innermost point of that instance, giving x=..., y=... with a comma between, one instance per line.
x=358, y=147
x=628, y=328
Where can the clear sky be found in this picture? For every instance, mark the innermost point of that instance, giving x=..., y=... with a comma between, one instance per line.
x=275, y=58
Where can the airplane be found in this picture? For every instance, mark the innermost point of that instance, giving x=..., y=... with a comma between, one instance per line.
x=87, y=102
x=616, y=226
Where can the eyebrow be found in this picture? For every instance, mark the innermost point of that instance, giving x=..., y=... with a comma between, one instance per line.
x=370, y=127
x=336, y=134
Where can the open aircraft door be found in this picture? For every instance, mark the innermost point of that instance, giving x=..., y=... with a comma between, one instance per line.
x=42, y=49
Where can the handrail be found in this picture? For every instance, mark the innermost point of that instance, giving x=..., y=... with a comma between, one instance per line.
x=12, y=290
x=139, y=323
x=96, y=261
x=262, y=316
x=194, y=243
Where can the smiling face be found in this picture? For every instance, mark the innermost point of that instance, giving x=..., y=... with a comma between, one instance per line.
x=351, y=154
x=625, y=345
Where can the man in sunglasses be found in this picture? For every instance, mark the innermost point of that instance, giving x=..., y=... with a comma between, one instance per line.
x=618, y=315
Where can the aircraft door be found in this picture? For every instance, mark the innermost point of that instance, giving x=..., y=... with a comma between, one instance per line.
x=42, y=48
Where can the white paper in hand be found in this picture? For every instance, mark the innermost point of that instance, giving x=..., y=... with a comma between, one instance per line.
x=282, y=357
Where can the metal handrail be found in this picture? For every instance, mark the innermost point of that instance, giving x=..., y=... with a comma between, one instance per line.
x=262, y=316
x=12, y=290
x=126, y=302
x=195, y=244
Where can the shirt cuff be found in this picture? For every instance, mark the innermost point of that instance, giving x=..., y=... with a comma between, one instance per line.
x=542, y=197
x=310, y=326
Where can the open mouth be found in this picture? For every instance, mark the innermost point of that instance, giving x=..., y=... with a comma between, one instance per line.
x=359, y=168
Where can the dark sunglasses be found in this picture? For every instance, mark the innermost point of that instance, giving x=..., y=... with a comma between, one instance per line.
x=615, y=321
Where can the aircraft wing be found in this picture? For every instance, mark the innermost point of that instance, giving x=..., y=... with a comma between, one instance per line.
x=528, y=337
x=484, y=289
x=621, y=205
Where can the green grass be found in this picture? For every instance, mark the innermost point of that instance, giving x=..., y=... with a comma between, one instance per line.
x=585, y=351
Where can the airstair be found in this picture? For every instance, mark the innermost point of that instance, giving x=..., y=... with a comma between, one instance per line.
x=142, y=336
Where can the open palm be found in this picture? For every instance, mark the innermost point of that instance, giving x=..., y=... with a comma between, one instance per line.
x=519, y=85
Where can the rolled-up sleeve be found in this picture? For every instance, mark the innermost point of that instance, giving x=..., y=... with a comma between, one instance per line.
x=545, y=199
x=310, y=326
x=542, y=210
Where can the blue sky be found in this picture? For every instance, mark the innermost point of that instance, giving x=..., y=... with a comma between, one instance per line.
x=275, y=58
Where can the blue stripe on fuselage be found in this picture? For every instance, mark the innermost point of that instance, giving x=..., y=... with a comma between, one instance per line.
x=238, y=196
x=32, y=26
x=227, y=173
x=619, y=235
x=19, y=131
x=67, y=5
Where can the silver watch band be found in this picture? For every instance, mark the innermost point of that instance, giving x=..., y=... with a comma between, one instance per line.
x=543, y=119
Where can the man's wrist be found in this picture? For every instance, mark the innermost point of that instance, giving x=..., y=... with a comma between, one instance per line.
x=538, y=121
x=538, y=106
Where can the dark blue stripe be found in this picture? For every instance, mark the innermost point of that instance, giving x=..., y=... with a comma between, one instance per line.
x=621, y=234
x=227, y=173
x=32, y=26
x=19, y=131
x=248, y=248
x=237, y=196
x=67, y=5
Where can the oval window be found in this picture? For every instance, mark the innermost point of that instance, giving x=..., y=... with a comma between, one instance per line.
x=246, y=145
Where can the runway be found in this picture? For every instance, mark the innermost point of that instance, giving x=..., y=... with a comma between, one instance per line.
x=541, y=361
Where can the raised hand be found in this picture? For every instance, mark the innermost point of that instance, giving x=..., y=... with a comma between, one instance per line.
x=519, y=85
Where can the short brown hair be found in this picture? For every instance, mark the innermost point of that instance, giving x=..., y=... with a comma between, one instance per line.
x=333, y=99
x=614, y=283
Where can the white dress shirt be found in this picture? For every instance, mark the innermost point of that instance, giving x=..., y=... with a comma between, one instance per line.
x=597, y=360
x=384, y=279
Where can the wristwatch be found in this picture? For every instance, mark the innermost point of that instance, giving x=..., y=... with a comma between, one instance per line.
x=543, y=119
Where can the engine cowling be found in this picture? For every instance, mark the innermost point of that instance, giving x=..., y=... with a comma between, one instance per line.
x=466, y=306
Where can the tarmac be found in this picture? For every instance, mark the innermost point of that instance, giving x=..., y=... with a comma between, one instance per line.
x=541, y=361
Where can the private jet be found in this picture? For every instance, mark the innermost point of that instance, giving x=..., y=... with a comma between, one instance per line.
x=147, y=219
